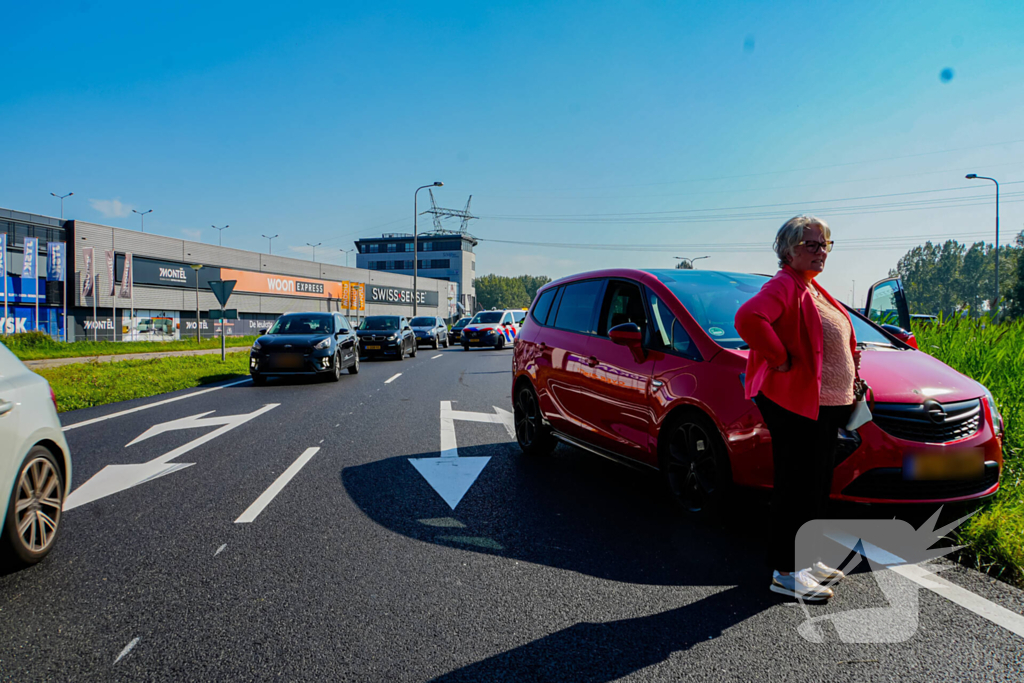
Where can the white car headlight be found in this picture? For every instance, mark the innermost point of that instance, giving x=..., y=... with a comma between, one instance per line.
x=392, y=337
x=322, y=344
x=997, y=417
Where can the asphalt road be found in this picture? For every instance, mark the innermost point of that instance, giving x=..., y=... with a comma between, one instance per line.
x=570, y=568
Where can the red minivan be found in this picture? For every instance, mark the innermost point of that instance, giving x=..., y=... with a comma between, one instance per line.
x=646, y=367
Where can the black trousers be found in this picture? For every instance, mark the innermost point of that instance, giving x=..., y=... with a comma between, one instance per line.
x=803, y=453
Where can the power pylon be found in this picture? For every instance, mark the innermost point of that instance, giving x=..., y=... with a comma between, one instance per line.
x=439, y=213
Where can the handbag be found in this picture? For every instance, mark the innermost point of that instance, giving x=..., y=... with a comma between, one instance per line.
x=862, y=406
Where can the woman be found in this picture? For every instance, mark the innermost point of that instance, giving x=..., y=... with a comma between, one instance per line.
x=800, y=372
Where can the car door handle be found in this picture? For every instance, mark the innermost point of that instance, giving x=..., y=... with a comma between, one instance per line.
x=6, y=407
x=593, y=362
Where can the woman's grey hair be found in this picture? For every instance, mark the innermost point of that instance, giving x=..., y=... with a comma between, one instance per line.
x=792, y=232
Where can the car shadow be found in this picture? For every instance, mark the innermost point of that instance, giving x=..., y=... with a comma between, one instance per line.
x=572, y=511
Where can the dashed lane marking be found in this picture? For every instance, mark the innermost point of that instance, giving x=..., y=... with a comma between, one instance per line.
x=264, y=500
x=392, y=378
x=127, y=648
x=151, y=405
x=437, y=356
x=220, y=550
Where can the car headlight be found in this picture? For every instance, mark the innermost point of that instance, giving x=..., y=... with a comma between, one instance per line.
x=256, y=345
x=322, y=344
x=392, y=337
x=997, y=417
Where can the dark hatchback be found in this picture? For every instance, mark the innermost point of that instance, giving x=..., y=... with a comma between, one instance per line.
x=386, y=336
x=305, y=344
x=456, y=331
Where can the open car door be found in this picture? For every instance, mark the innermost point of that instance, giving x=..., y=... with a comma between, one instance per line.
x=886, y=305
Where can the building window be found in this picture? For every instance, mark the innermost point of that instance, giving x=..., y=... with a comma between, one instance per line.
x=374, y=248
x=407, y=246
x=392, y=248
x=428, y=246
x=440, y=263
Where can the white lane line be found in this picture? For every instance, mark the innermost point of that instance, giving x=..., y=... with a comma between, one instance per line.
x=220, y=550
x=128, y=648
x=264, y=500
x=437, y=356
x=961, y=596
x=449, y=445
x=393, y=378
x=151, y=405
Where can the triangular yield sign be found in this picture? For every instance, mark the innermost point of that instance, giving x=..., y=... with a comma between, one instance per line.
x=450, y=477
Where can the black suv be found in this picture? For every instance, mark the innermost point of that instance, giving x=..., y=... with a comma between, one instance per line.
x=386, y=335
x=305, y=344
x=431, y=330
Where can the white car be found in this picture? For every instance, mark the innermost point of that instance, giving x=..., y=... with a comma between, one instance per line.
x=493, y=328
x=35, y=464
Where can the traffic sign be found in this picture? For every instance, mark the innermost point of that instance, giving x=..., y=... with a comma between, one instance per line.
x=222, y=289
x=225, y=314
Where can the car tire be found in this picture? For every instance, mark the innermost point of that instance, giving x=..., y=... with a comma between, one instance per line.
x=258, y=380
x=436, y=344
x=415, y=348
x=38, y=469
x=694, y=462
x=501, y=342
x=354, y=368
x=533, y=436
x=465, y=347
x=447, y=342
x=335, y=375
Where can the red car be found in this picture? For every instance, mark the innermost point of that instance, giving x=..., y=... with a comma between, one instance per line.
x=646, y=367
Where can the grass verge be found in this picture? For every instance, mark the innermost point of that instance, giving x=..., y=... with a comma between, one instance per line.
x=37, y=345
x=993, y=354
x=82, y=385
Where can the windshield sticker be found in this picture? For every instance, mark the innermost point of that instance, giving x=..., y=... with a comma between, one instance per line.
x=716, y=331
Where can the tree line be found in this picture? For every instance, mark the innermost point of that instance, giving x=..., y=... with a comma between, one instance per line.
x=953, y=278
x=500, y=291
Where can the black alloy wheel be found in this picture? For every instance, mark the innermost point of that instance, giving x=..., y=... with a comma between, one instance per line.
x=694, y=462
x=354, y=368
x=534, y=437
x=501, y=342
x=34, y=511
x=336, y=370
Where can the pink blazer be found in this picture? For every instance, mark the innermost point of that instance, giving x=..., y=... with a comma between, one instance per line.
x=779, y=322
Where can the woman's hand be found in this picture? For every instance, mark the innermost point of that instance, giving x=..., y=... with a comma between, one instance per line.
x=856, y=359
x=784, y=367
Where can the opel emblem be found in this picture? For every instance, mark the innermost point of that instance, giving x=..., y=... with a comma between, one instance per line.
x=935, y=411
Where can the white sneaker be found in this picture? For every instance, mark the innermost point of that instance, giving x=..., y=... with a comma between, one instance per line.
x=802, y=585
x=823, y=573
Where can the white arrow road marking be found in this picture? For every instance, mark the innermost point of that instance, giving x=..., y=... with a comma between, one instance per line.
x=151, y=405
x=452, y=476
x=392, y=378
x=128, y=648
x=254, y=510
x=114, y=478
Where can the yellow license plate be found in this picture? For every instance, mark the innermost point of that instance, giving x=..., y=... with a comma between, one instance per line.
x=373, y=348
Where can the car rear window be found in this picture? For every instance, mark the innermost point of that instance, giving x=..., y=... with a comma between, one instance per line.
x=542, y=305
x=576, y=310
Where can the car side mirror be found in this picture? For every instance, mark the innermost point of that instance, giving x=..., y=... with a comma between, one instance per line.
x=903, y=335
x=263, y=331
x=626, y=334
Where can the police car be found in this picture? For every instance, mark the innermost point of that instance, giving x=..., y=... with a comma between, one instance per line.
x=494, y=328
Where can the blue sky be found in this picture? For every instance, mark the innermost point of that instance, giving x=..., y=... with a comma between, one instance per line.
x=582, y=123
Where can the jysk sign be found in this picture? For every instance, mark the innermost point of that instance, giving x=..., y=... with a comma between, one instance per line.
x=399, y=296
x=150, y=271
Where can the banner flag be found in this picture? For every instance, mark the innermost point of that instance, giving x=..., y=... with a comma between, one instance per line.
x=88, y=271
x=28, y=267
x=55, y=262
x=110, y=271
x=126, y=277
x=346, y=292
x=362, y=297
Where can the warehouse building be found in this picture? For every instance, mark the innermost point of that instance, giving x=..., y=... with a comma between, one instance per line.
x=170, y=283
x=442, y=255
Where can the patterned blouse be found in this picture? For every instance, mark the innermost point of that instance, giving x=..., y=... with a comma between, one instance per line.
x=837, y=369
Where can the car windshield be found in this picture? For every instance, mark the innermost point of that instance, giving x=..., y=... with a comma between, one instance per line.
x=380, y=322
x=462, y=323
x=713, y=298
x=422, y=322
x=302, y=324
x=488, y=317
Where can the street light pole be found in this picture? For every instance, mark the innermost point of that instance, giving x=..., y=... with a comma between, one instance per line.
x=142, y=215
x=683, y=259
x=220, y=234
x=197, y=268
x=415, y=246
x=61, y=198
x=270, y=241
x=975, y=176
x=314, y=249
x=346, y=252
